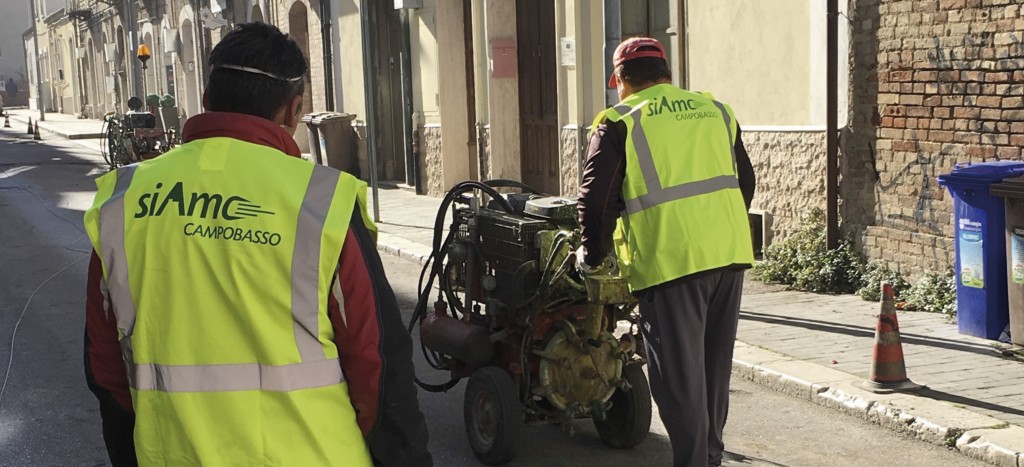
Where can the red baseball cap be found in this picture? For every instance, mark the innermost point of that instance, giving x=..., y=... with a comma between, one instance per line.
x=631, y=48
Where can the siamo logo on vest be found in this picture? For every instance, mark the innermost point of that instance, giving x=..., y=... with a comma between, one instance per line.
x=208, y=206
x=682, y=109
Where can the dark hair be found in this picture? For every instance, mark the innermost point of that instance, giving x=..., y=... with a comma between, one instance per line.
x=644, y=70
x=262, y=47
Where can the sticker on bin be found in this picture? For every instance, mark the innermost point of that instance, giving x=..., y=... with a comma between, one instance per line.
x=972, y=254
x=1017, y=255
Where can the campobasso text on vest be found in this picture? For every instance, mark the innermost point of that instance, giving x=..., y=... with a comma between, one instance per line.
x=237, y=234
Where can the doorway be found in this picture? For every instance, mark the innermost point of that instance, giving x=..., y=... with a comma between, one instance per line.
x=538, y=94
x=387, y=61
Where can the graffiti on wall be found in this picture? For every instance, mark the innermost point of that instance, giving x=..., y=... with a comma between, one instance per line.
x=961, y=71
x=921, y=173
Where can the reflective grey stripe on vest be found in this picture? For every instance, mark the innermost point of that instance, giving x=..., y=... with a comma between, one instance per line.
x=306, y=261
x=113, y=252
x=236, y=377
x=656, y=194
x=684, y=190
x=728, y=130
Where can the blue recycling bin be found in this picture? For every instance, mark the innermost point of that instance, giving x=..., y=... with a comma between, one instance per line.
x=978, y=229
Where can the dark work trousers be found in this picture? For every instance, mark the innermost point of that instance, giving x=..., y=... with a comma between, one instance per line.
x=689, y=329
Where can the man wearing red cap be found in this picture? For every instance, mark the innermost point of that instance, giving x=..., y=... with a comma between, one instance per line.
x=668, y=168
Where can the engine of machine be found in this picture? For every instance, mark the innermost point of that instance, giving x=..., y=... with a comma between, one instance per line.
x=510, y=296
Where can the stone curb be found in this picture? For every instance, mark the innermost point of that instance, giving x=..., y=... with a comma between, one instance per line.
x=975, y=435
x=60, y=133
x=402, y=248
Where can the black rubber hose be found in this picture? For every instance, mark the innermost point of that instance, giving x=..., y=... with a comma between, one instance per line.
x=439, y=249
x=436, y=260
x=505, y=183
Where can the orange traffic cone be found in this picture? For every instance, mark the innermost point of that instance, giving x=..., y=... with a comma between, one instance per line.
x=888, y=370
x=30, y=130
x=35, y=135
x=7, y=121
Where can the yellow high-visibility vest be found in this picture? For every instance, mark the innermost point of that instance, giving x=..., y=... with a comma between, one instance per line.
x=684, y=210
x=219, y=257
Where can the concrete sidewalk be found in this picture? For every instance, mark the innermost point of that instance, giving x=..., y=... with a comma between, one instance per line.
x=63, y=125
x=817, y=346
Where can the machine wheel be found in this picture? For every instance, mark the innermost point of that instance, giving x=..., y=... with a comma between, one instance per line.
x=629, y=419
x=494, y=415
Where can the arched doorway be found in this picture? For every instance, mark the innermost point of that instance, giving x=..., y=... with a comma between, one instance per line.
x=89, y=80
x=298, y=28
x=122, y=67
x=108, y=78
x=257, y=14
x=190, y=67
x=72, y=74
x=56, y=79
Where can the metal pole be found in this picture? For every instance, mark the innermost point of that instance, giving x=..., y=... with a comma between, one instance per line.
x=39, y=68
x=832, y=138
x=370, y=94
x=133, y=44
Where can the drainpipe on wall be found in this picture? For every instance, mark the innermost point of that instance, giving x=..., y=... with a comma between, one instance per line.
x=612, y=37
x=369, y=27
x=325, y=34
x=832, y=137
x=684, y=42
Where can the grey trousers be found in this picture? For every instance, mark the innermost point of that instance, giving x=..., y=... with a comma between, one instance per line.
x=689, y=330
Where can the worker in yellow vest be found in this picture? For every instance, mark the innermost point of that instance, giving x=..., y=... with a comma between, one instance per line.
x=669, y=165
x=238, y=313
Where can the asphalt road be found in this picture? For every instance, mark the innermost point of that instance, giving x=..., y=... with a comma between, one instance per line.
x=48, y=417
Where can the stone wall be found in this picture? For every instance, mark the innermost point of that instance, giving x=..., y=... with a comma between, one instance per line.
x=431, y=181
x=790, y=170
x=485, y=157
x=935, y=82
x=569, y=162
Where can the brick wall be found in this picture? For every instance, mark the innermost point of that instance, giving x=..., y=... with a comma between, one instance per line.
x=934, y=83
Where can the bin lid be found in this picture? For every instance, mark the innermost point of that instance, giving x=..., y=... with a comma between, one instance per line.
x=985, y=172
x=308, y=118
x=1009, y=188
x=328, y=116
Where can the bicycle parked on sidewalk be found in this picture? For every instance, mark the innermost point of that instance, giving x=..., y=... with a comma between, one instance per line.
x=133, y=137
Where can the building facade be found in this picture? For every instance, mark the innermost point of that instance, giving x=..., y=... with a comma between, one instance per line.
x=88, y=61
x=448, y=90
